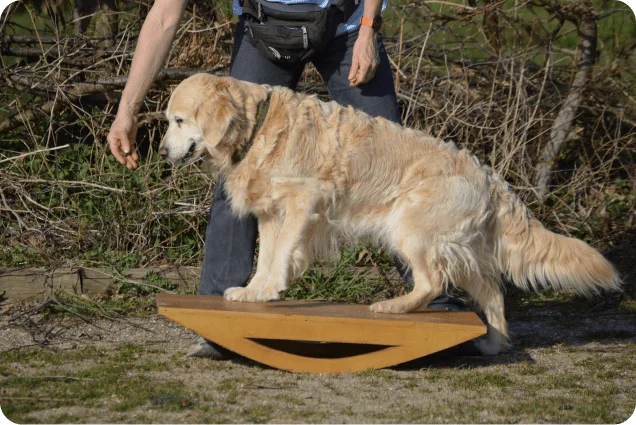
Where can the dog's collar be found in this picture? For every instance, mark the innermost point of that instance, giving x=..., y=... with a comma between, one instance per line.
x=261, y=114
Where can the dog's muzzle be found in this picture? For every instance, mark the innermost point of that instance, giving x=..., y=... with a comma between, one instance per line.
x=188, y=158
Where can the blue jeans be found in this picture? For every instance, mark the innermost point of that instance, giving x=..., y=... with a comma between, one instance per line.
x=230, y=242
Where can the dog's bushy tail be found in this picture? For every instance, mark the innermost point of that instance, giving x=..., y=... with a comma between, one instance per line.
x=534, y=257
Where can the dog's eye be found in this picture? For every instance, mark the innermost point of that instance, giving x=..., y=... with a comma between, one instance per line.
x=178, y=121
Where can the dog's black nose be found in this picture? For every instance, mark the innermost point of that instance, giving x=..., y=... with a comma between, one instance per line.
x=163, y=152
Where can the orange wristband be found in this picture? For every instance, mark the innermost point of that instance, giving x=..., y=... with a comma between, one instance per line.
x=374, y=23
x=366, y=21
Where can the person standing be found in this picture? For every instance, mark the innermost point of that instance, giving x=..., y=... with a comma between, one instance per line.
x=355, y=67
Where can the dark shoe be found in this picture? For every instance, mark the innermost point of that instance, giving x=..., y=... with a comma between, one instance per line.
x=467, y=348
x=444, y=302
x=201, y=347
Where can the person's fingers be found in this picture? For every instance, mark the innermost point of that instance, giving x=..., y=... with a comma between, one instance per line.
x=356, y=78
x=125, y=144
x=130, y=162
x=363, y=71
x=355, y=68
x=369, y=74
x=133, y=156
x=114, y=144
x=366, y=72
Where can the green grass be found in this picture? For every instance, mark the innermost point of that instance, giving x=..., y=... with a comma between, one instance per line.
x=118, y=214
x=129, y=299
x=530, y=369
x=258, y=414
x=112, y=380
x=474, y=380
x=627, y=306
x=340, y=281
x=129, y=384
x=47, y=356
x=65, y=418
x=562, y=409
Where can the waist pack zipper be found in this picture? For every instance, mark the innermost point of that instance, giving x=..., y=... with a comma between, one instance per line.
x=305, y=38
x=275, y=52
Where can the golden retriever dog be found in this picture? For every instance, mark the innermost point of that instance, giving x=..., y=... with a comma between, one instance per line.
x=316, y=174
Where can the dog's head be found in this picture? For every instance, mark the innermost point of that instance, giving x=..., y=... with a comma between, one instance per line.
x=209, y=116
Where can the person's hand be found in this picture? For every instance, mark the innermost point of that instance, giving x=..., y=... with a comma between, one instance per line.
x=121, y=139
x=365, y=57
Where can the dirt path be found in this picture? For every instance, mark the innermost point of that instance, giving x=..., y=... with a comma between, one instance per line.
x=565, y=366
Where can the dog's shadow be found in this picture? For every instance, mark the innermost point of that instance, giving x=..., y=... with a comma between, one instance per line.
x=555, y=325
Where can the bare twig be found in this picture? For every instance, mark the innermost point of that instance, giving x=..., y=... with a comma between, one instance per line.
x=20, y=118
x=33, y=153
x=581, y=13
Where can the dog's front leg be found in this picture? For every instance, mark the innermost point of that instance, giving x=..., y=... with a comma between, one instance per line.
x=267, y=229
x=289, y=251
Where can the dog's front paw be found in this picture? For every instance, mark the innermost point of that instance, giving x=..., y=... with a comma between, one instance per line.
x=268, y=294
x=385, y=307
x=240, y=294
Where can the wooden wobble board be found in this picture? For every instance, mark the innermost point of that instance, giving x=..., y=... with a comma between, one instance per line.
x=346, y=337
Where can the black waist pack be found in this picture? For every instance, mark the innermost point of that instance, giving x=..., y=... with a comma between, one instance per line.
x=290, y=33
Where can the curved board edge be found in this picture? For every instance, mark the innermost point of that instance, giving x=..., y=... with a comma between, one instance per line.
x=227, y=336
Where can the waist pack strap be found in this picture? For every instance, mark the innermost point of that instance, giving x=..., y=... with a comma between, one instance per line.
x=256, y=8
x=288, y=33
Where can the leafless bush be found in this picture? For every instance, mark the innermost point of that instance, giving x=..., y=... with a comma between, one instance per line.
x=492, y=78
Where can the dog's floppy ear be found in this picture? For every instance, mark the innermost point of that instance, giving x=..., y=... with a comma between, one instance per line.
x=222, y=121
x=219, y=114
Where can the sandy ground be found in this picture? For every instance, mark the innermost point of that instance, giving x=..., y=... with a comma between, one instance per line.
x=565, y=365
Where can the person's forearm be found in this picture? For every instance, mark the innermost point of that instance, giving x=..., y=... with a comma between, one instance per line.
x=372, y=8
x=153, y=45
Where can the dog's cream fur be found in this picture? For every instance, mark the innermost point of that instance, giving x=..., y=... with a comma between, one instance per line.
x=319, y=173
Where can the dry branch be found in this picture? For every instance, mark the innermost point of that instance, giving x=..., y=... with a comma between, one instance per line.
x=20, y=118
x=582, y=13
x=50, y=39
x=33, y=153
x=75, y=90
x=99, y=85
x=468, y=74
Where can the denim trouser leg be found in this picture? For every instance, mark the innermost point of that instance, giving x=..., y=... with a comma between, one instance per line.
x=229, y=246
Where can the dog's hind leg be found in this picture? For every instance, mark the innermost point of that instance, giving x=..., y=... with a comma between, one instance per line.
x=425, y=290
x=487, y=294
